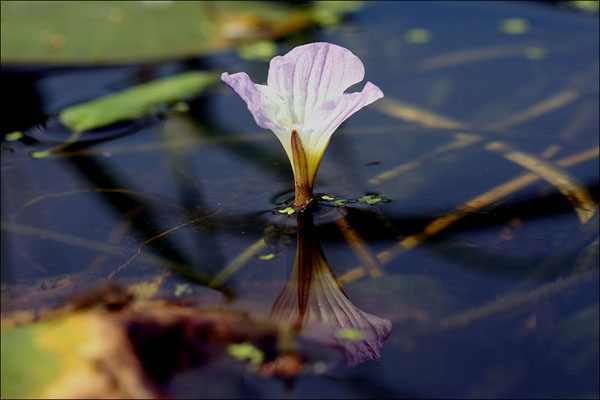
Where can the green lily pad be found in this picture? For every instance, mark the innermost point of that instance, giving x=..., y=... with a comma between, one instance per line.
x=99, y=32
x=135, y=102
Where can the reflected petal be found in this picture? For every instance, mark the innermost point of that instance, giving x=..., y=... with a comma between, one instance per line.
x=314, y=303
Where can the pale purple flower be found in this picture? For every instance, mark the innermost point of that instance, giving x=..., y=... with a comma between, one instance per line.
x=305, y=94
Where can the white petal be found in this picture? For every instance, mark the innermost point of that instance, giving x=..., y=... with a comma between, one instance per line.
x=315, y=134
x=310, y=75
x=267, y=108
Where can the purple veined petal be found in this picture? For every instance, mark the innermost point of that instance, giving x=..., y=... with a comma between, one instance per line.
x=312, y=74
x=316, y=133
x=267, y=108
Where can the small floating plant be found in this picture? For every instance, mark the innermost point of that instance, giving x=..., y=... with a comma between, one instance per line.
x=304, y=102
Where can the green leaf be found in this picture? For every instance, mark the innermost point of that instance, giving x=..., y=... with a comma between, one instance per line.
x=267, y=257
x=40, y=154
x=96, y=32
x=329, y=13
x=261, y=50
x=246, y=351
x=23, y=376
x=514, y=26
x=534, y=53
x=418, y=35
x=287, y=210
x=135, y=102
x=13, y=136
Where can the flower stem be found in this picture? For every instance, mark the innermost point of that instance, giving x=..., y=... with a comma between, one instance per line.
x=304, y=191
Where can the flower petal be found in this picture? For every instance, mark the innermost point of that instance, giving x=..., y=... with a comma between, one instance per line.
x=309, y=75
x=266, y=106
x=327, y=118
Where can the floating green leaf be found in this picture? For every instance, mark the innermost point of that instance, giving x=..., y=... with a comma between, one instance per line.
x=135, y=102
x=95, y=32
x=287, y=210
x=266, y=257
x=514, y=26
x=329, y=13
x=13, y=136
x=40, y=154
x=246, y=351
x=534, y=53
x=418, y=35
x=585, y=5
x=261, y=50
x=325, y=197
x=369, y=199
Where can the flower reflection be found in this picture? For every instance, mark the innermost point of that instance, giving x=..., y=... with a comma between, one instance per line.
x=315, y=304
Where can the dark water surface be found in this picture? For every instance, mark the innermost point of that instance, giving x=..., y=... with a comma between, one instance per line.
x=485, y=259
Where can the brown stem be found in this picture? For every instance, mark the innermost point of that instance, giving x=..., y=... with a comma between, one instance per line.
x=304, y=191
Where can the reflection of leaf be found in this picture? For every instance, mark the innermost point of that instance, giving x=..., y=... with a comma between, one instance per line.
x=135, y=102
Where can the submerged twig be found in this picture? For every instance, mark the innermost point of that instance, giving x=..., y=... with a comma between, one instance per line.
x=359, y=247
x=514, y=300
x=476, y=203
x=570, y=187
x=416, y=114
x=141, y=246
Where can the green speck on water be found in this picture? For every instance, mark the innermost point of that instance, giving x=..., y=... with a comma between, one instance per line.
x=260, y=50
x=40, y=154
x=418, y=35
x=514, y=26
x=325, y=197
x=534, y=53
x=266, y=257
x=585, y=5
x=246, y=351
x=181, y=289
x=339, y=202
x=287, y=210
x=350, y=334
x=369, y=199
x=13, y=136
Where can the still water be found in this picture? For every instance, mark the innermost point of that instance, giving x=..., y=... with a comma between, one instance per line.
x=476, y=275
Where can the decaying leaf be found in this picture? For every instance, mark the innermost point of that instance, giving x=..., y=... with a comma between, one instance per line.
x=107, y=344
